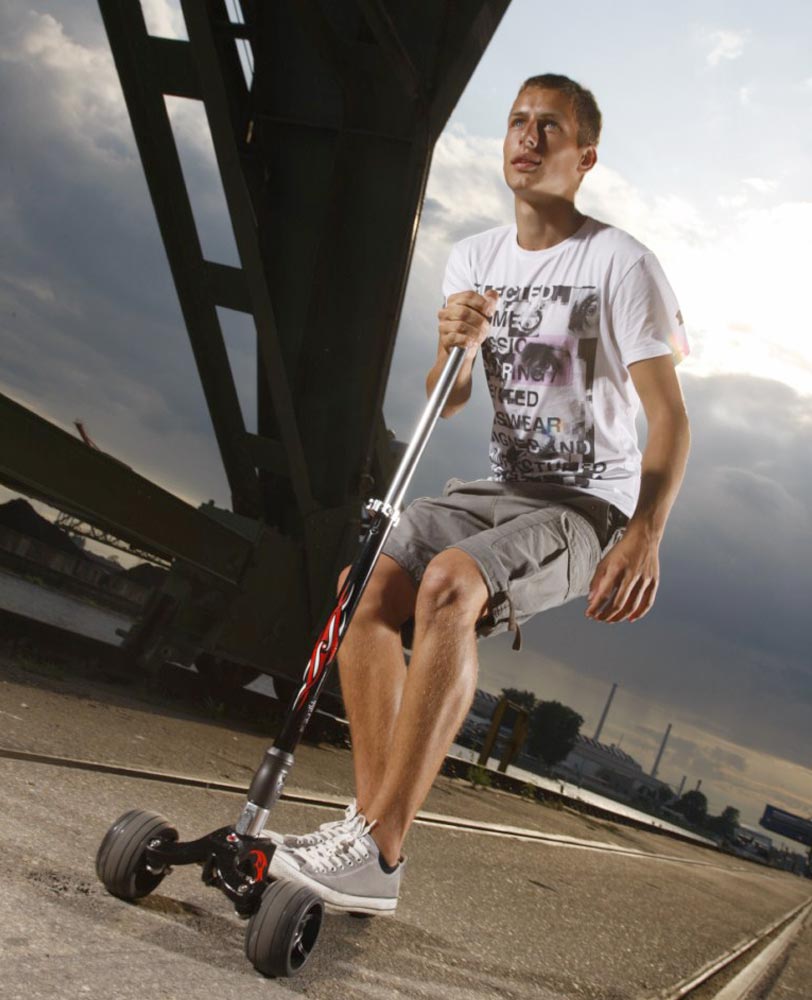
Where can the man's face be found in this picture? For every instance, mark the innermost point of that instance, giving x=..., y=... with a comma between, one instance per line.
x=541, y=151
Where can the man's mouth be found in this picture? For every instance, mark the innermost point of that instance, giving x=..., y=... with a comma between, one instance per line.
x=525, y=161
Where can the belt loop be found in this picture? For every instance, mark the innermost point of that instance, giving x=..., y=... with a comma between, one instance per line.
x=616, y=520
x=610, y=524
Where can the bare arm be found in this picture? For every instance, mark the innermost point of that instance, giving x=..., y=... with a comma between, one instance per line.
x=463, y=322
x=626, y=580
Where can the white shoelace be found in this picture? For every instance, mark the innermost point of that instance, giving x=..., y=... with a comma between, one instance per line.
x=339, y=852
x=331, y=829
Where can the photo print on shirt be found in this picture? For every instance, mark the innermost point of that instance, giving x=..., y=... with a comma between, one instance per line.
x=539, y=362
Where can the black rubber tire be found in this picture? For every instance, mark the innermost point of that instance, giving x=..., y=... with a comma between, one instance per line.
x=281, y=935
x=120, y=861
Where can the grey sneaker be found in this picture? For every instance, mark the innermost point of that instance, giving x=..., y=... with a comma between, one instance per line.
x=345, y=871
x=327, y=830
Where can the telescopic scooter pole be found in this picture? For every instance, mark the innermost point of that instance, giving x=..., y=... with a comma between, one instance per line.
x=269, y=779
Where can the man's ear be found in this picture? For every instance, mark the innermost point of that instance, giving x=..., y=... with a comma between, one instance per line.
x=589, y=158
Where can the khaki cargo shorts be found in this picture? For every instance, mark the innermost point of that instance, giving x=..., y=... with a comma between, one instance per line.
x=537, y=545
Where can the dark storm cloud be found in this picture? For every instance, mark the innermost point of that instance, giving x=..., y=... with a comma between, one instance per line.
x=90, y=320
x=708, y=676
x=739, y=546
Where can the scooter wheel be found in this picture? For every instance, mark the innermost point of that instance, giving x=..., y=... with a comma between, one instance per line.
x=281, y=935
x=121, y=858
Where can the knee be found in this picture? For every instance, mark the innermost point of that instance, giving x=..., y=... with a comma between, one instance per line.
x=452, y=580
x=389, y=596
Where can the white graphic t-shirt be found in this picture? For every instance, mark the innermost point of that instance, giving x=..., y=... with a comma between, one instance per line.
x=568, y=323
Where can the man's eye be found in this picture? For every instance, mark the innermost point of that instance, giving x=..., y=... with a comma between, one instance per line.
x=550, y=124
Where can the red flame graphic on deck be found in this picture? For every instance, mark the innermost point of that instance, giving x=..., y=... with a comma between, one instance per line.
x=260, y=864
x=325, y=649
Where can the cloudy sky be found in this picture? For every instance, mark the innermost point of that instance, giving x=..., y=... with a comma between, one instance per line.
x=706, y=157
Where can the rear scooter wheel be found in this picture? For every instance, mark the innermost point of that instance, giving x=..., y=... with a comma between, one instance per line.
x=281, y=935
x=121, y=858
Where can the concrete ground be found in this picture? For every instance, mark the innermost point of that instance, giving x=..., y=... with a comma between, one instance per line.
x=479, y=916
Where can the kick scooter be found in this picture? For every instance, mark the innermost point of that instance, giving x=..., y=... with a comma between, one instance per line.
x=284, y=918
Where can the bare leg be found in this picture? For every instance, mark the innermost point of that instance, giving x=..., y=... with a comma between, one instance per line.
x=439, y=689
x=372, y=671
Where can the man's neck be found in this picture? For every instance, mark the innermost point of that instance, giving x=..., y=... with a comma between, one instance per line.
x=540, y=227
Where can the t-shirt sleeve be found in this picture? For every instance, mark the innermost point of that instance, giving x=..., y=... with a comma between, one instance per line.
x=458, y=276
x=646, y=317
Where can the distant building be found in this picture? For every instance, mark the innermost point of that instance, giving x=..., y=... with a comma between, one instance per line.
x=607, y=769
x=602, y=767
x=752, y=843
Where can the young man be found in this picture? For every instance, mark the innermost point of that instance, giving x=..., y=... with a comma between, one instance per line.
x=577, y=325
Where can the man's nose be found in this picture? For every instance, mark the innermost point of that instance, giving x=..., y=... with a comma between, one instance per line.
x=531, y=135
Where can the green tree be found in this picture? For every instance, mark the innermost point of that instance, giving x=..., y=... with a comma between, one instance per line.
x=553, y=731
x=694, y=807
x=725, y=824
x=730, y=819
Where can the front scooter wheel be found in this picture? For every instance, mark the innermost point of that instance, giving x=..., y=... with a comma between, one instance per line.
x=281, y=935
x=121, y=859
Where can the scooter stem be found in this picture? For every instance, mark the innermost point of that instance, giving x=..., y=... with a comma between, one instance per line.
x=270, y=777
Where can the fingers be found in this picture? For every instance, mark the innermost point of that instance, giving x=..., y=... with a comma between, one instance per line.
x=465, y=319
x=624, y=585
x=601, y=589
x=646, y=602
x=626, y=601
x=484, y=304
x=629, y=600
x=460, y=336
x=464, y=315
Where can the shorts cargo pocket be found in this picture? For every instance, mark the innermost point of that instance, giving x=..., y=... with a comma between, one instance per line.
x=584, y=553
x=549, y=564
x=546, y=587
x=534, y=586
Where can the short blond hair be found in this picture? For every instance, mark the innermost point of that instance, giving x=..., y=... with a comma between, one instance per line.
x=584, y=105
